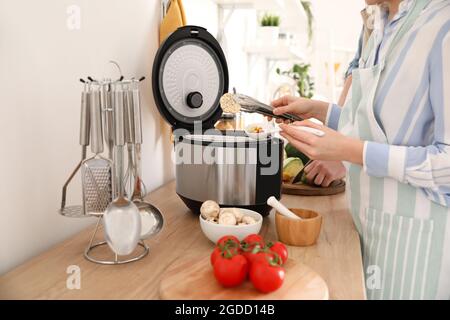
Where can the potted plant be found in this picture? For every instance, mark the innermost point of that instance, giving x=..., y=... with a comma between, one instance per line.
x=300, y=74
x=269, y=29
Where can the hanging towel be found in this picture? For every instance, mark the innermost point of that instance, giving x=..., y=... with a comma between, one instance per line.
x=174, y=19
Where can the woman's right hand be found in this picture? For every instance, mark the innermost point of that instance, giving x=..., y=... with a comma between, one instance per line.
x=302, y=107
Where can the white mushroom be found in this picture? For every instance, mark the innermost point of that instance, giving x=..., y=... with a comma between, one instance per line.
x=235, y=211
x=209, y=209
x=212, y=220
x=248, y=220
x=228, y=104
x=227, y=218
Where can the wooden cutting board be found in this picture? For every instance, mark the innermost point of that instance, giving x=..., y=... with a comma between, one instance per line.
x=192, y=278
x=307, y=190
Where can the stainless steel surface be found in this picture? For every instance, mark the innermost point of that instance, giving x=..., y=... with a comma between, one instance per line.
x=84, y=121
x=89, y=251
x=96, y=180
x=96, y=172
x=152, y=219
x=96, y=122
x=129, y=116
x=119, y=131
x=229, y=179
x=77, y=211
x=122, y=220
x=129, y=120
x=108, y=127
x=137, y=116
x=94, y=175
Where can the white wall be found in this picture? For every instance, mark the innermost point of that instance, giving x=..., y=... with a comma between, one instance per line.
x=337, y=25
x=40, y=63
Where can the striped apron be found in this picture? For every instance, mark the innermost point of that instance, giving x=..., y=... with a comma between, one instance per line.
x=402, y=232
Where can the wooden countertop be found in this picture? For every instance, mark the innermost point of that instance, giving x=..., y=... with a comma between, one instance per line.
x=336, y=256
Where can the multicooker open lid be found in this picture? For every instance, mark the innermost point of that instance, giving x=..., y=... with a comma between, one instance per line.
x=190, y=74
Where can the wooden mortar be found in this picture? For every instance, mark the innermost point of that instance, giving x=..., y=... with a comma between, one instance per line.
x=299, y=232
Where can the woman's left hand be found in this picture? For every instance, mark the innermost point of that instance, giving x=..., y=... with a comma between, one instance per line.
x=332, y=146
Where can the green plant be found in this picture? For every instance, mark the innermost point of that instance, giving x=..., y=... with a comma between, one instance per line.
x=270, y=20
x=300, y=74
x=307, y=6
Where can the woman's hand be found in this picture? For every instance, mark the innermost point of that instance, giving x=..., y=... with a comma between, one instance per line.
x=323, y=173
x=332, y=146
x=304, y=108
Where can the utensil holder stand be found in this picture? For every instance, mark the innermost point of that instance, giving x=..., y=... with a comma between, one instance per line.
x=140, y=252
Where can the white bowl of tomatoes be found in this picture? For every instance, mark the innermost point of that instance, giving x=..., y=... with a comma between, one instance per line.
x=234, y=261
x=214, y=231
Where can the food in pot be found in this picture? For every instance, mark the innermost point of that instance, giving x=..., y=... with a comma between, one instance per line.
x=210, y=210
x=228, y=104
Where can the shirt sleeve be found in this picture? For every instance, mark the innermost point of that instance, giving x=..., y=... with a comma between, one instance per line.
x=354, y=64
x=333, y=116
x=425, y=167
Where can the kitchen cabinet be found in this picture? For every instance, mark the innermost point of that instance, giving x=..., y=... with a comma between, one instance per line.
x=336, y=256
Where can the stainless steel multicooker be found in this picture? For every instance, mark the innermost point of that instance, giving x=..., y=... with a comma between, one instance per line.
x=190, y=75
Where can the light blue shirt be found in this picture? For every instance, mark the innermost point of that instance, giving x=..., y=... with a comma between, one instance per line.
x=412, y=104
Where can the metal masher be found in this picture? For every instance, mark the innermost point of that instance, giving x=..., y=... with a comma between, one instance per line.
x=77, y=211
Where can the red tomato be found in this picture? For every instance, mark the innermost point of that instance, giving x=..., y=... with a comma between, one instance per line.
x=266, y=276
x=226, y=239
x=216, y=252
x=253, y=239
x=280, y=249
x=260, y=256
x=230, y=271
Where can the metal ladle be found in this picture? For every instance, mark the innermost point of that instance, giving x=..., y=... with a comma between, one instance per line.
x=121, y=220
x=152, y=219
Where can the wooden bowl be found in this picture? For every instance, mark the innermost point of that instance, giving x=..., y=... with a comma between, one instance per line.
x=295, y=232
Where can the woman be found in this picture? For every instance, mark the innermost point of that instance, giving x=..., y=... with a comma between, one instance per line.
x=394, y=136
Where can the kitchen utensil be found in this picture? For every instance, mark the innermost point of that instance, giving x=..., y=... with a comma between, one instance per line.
x=189, y=77
x=108, y=126
x=302, y=189
x=121, y=220
x=129, y=177
x=192, y=278
x=96, y=171
x=299, y=175
x=151, y=218
x=251, y=105
x=214, y=231
x=299, y=232
x=314, y=131
x=274, y=203
x=78, y=211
